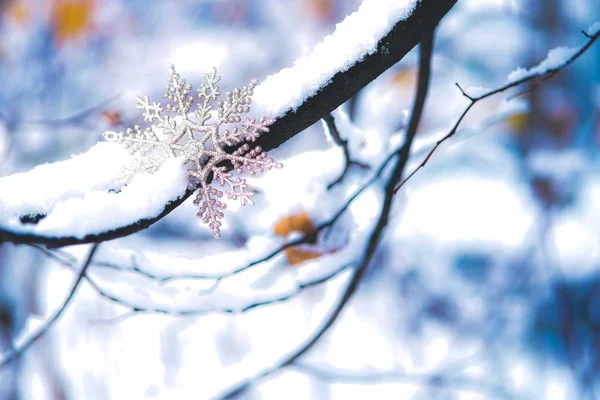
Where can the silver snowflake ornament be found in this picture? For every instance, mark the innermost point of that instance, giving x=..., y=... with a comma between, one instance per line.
x=199, y=139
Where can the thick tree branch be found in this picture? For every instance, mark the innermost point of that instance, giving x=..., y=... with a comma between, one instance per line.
x=400, y=159
x=392, y=48
x=20, y=350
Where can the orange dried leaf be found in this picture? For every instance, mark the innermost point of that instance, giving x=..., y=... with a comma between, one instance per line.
x=112, y=117
x=300, y=222
x=297, y=256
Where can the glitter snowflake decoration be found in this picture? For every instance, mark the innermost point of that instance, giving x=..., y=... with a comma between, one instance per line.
x=199, y=139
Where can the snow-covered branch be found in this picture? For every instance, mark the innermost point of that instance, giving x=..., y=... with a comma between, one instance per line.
x=71, y=202
x=343, y=144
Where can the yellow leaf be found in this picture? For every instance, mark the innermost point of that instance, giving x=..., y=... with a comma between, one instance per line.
x=405, y=77
x=71, y=19
x=19, y=12
x=518, y=122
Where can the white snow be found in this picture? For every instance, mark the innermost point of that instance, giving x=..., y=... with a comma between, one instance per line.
x=39, y=190
x=353, y=39
x=556, y=58
x=593, y=28
x=74, y=194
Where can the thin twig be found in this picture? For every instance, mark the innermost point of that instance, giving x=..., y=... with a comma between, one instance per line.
x=142, y=309
x=343, y=143
x=474, y=99
x=400, y=158
x=21, y=349
x=138, y=309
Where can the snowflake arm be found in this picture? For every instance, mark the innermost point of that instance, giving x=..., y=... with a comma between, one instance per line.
x=207, y=94
x=236, y=102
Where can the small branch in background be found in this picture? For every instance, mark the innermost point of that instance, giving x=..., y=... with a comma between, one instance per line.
x=73, y=119
x=445, y=381
x=400, y=158
x=537, y=78
x=143, y=309
x=19, y=350
x=343, y=143
x=137, y=309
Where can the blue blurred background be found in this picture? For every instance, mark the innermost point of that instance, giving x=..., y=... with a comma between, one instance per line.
x=489, y=270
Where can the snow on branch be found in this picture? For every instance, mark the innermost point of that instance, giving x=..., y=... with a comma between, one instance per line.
x=41, y=189
x=354, y=38
x=365, y=45
x=557, y=58
x=77, y=198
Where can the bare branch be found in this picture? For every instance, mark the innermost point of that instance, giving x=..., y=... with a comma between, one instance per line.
x=140, y=309
x=143, y=309
x=343, y=143
x=22, y=348
x=539, y=76
x=463, y=92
